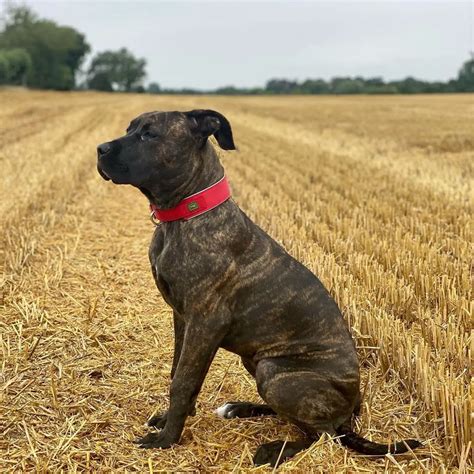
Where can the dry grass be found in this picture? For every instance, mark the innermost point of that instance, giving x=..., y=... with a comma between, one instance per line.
x=373, y=194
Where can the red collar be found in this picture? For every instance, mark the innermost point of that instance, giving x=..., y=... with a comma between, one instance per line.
x=194, y=205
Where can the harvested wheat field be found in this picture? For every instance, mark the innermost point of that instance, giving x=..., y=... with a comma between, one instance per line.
x=371, y=193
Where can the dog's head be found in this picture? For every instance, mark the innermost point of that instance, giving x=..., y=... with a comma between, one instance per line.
x=163, y=147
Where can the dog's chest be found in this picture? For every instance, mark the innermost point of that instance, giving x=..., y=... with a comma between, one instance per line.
x=165, y=272
x=183, y=271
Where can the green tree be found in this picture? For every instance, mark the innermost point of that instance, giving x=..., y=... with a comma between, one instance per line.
x=347, y=85
x=314, y=86
x=153, y=88
x=121, y=69
x=465, y=81
x=56, y=52
x=281, y=86
x=19, y=65
x=101, y=82
x=4, y=69
x=410, y=85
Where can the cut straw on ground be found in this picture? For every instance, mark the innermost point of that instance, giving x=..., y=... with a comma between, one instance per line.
x=373, y=194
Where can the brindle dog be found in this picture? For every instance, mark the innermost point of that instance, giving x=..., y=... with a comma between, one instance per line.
x=232, y=286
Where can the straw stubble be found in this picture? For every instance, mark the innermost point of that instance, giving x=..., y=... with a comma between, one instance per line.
x=372, y=194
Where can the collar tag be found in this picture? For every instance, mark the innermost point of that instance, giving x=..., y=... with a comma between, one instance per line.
x=193, y=206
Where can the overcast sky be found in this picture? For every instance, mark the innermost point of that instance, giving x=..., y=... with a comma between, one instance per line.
x=210, y=44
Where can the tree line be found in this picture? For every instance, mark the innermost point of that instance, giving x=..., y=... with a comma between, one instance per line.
x=39, y=53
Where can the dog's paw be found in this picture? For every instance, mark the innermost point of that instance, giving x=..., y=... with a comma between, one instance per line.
x=158, y=421
x=276, y=452
x=225, y=411
x=243, y=410
x=155, y=440
x=269, y=453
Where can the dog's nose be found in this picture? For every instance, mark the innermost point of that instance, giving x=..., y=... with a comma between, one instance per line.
x=103, y=149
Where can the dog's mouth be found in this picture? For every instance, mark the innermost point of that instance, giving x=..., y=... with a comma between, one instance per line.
x=103, y=173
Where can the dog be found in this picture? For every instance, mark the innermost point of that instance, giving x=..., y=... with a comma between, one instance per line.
x=231, y=286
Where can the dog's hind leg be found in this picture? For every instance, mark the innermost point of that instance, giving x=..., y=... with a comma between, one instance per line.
x=300, y=392
x=250, y=366
x=245, y=409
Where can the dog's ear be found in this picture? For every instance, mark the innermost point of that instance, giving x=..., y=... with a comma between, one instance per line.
x=204, y=123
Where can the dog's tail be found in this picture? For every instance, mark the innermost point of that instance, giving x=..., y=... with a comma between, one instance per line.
x=353, y=441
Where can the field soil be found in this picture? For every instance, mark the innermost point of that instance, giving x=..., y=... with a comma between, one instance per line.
x=373, y=194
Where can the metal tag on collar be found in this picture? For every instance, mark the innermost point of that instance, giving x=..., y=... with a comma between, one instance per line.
x=192, y=206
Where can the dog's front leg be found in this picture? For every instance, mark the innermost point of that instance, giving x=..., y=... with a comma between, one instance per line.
x=179, y=327
x=178, y=345
x=203, y=335
x=159, y=420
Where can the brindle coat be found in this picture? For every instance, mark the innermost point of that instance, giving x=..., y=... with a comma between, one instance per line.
x=232, y=286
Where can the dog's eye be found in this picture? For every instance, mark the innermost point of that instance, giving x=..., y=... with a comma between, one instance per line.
x=146, y=136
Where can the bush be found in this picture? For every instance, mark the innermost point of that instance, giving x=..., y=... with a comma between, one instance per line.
x=15, y=66
x=4, y=70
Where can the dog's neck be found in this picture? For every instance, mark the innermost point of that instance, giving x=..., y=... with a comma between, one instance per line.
x=208, y=171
